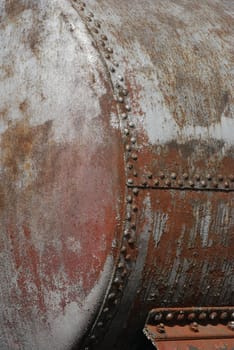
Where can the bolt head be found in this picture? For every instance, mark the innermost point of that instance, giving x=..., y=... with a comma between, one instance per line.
x=231, y=325
x=169, y=316
x=191, y=316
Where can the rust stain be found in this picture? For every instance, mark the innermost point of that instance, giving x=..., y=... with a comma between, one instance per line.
x=14, y=7
x=20, y=142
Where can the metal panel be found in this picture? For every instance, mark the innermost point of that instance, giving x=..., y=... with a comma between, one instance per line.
x=61, y=176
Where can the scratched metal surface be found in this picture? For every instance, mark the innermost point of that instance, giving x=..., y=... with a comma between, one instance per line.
x=60, y=176
x=175, y=60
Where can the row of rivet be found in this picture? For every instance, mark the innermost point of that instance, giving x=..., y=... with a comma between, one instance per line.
x=128, y=241
x=194, y=327
x=176, y=181
x=187, y=317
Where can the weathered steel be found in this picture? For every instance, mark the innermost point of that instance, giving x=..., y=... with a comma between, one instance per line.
x=191, y=328
x=61, y=173
x=116, y=166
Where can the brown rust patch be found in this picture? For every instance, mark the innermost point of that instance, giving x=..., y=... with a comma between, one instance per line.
x=14, y=7
x=20, y=142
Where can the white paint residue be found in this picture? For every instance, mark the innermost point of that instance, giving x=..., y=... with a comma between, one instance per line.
x=73, y=322
x=60, y=82
x=157, y=120
x=160, y=226
x=205, y=224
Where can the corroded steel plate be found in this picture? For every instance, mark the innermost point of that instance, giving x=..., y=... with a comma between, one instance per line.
x=61, y=176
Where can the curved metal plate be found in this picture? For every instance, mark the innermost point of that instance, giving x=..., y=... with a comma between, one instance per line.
x=61, y=173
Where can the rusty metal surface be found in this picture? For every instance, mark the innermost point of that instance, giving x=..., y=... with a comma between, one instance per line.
x=61, y=176
x=217, y=344
x=72, y=72
x=191, y=328
x=170, y=66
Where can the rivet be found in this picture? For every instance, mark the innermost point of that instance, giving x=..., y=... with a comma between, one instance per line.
x=120, y=99
x=126, y=131
x=149, y=175
x=106, y=310
x=131, y=124
x=112, y=69
x=203, y=183
x=220, y=177
x=156, y=182
x=161, y=328
x=213, y=316
x=128, y=108
x=169, y=316
x=130, y=166
x=180, y=316
x=194, y=326
x=135, y=173
x=185, y=176
x=111, y=296
x=95, y=30
x=161, y=175
x=134, y=156
x=100, y=324
x=123, y=250
x=97, y=24
x=215, y=183
x=89, y=19
x=167, y=182
x=197, y=177
x=130, y=181
x=191, y=184
x=144, y=182
x=120, y=266
x=131, y=241
x=128, y=148
x=209, y=177
x=134, y=208
x=124, y=273
x=128, y=217
x=120, y=78
x=117, y=85
x=117, y=281
x=125, y=92
x=226, y=184
x=109, y=49
x=231, y=178
x=107, y=56
x=124, y=115
x=126, y=233
x=135, y=190
x=104, y=37
x=202, y=316
x=102, y=43
x=158, y=317
x=90, y=14
x=191, y=316
x=224, y=315
x=173, y=176
x=115, y=63
x=129, y=199
x=93, y=337
x=133, y=139
x=128, y=257
x=231, y=325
